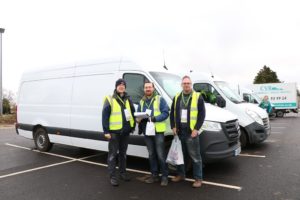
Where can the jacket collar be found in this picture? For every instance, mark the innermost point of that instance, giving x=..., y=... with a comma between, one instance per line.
x=115, y=95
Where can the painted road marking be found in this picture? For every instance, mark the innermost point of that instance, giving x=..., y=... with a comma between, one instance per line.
x=37, y=168
x=238, y=188
x=275, y=132
x=251, y=155
x=271, y=141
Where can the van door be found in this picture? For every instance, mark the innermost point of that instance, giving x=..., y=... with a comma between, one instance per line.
x=135, y=88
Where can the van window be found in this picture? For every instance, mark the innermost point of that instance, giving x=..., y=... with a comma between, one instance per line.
x=135, y=86
x=169, y=82
x=208, y=92
x=247, y=97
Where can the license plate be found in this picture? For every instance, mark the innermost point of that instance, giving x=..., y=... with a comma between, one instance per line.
x=237, y=151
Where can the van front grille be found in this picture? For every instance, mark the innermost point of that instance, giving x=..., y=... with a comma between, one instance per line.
x=232, y=129
x=266, y=123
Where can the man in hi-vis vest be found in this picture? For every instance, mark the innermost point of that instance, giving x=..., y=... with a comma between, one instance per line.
x=158, y=109
x=118, y=122
x=186, y=118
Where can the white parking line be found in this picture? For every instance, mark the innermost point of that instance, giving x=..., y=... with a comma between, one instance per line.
x=48, y=153
x=37, y=168
x=238, y=188
x=251, y=155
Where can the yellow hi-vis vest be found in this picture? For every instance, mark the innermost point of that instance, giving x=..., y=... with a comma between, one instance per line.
x=193, y=109
x=160, y=127
x=115, y=118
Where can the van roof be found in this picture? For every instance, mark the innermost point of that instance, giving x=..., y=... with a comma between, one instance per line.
x=68, y=70
x=202, y=76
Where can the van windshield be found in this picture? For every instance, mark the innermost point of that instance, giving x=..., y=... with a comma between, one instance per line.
x=171, y=83
x=256, y=97
x=228, y=92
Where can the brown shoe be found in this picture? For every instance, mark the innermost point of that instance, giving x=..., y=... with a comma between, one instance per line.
x=177, y=179
x=197, y=183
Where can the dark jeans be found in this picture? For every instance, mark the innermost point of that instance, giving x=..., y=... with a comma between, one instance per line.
x=117, y=143
x=191, y=148
x=156, y=148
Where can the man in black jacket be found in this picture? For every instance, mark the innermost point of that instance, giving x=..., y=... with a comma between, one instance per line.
x=118, y=123
x=186, y=117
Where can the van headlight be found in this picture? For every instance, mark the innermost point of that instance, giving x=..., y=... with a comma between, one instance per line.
x=255, y=116
x=211, y=126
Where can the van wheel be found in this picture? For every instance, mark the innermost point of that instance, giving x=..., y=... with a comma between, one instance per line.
x=280, y=113
x=41, y=140
x=243, y=139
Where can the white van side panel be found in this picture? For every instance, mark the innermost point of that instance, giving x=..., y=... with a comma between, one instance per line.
x=87, y=100
x=46, y=102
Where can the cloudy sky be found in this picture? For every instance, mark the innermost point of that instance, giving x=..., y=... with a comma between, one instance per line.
x=233, y=39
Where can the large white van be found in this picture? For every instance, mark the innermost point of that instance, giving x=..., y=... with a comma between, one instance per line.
x=254, y=121
x=64, y=105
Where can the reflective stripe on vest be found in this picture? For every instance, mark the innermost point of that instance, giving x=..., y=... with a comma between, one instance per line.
x=193, y=109
x=115, y=118
x=160, y=127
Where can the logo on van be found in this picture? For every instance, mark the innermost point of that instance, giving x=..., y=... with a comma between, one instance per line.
x=269, y=88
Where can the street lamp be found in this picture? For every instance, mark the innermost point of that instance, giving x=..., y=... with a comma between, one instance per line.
x=1, y=102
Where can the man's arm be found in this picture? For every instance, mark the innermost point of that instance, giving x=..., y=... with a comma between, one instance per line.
x=105, y=116
x=132, y=108
x=201, y=113
x=164, y=110
x=172, y=119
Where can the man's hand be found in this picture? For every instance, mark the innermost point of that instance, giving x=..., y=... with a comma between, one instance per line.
x=107, y=136
x=174, y=131
x=194, y=133
x=138, y=120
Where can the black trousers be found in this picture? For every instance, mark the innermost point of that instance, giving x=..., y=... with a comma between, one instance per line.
x=117, y=144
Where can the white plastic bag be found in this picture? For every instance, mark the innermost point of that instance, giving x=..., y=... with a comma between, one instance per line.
x=175, y=155
x=150, y=129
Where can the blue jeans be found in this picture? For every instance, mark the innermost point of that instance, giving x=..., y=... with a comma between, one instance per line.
x=156, y=148
x=190, y=146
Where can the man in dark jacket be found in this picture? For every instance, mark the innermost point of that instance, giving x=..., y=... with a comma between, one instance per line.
x=118, y=123
x=186, y=117
x=158, y=110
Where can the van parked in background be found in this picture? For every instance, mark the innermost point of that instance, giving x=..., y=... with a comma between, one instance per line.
x=254, y=121
x=283, y=96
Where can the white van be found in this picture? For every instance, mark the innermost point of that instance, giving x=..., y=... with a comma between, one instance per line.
x=254, y=121
x=64, y=105
x=247, y=95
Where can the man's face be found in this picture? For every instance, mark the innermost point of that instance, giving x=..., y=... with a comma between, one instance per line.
x=266, y=98
x=148, y=89
x=121, y=88
x=186, y=85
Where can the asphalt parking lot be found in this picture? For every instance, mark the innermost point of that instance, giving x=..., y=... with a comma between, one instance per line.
x=267, y=171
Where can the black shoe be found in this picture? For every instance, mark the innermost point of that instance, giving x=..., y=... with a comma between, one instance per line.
x=114, y=182
x=152, y=179
x=164, y=181
x=125, y=177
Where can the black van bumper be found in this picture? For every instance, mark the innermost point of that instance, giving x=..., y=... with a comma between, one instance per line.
x=258, y=133
x=217, y=145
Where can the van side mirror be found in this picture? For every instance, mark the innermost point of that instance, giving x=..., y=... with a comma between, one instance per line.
x=221, y=102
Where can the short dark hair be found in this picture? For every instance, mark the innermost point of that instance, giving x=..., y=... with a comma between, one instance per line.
x=147, y=81
x=186, y=76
